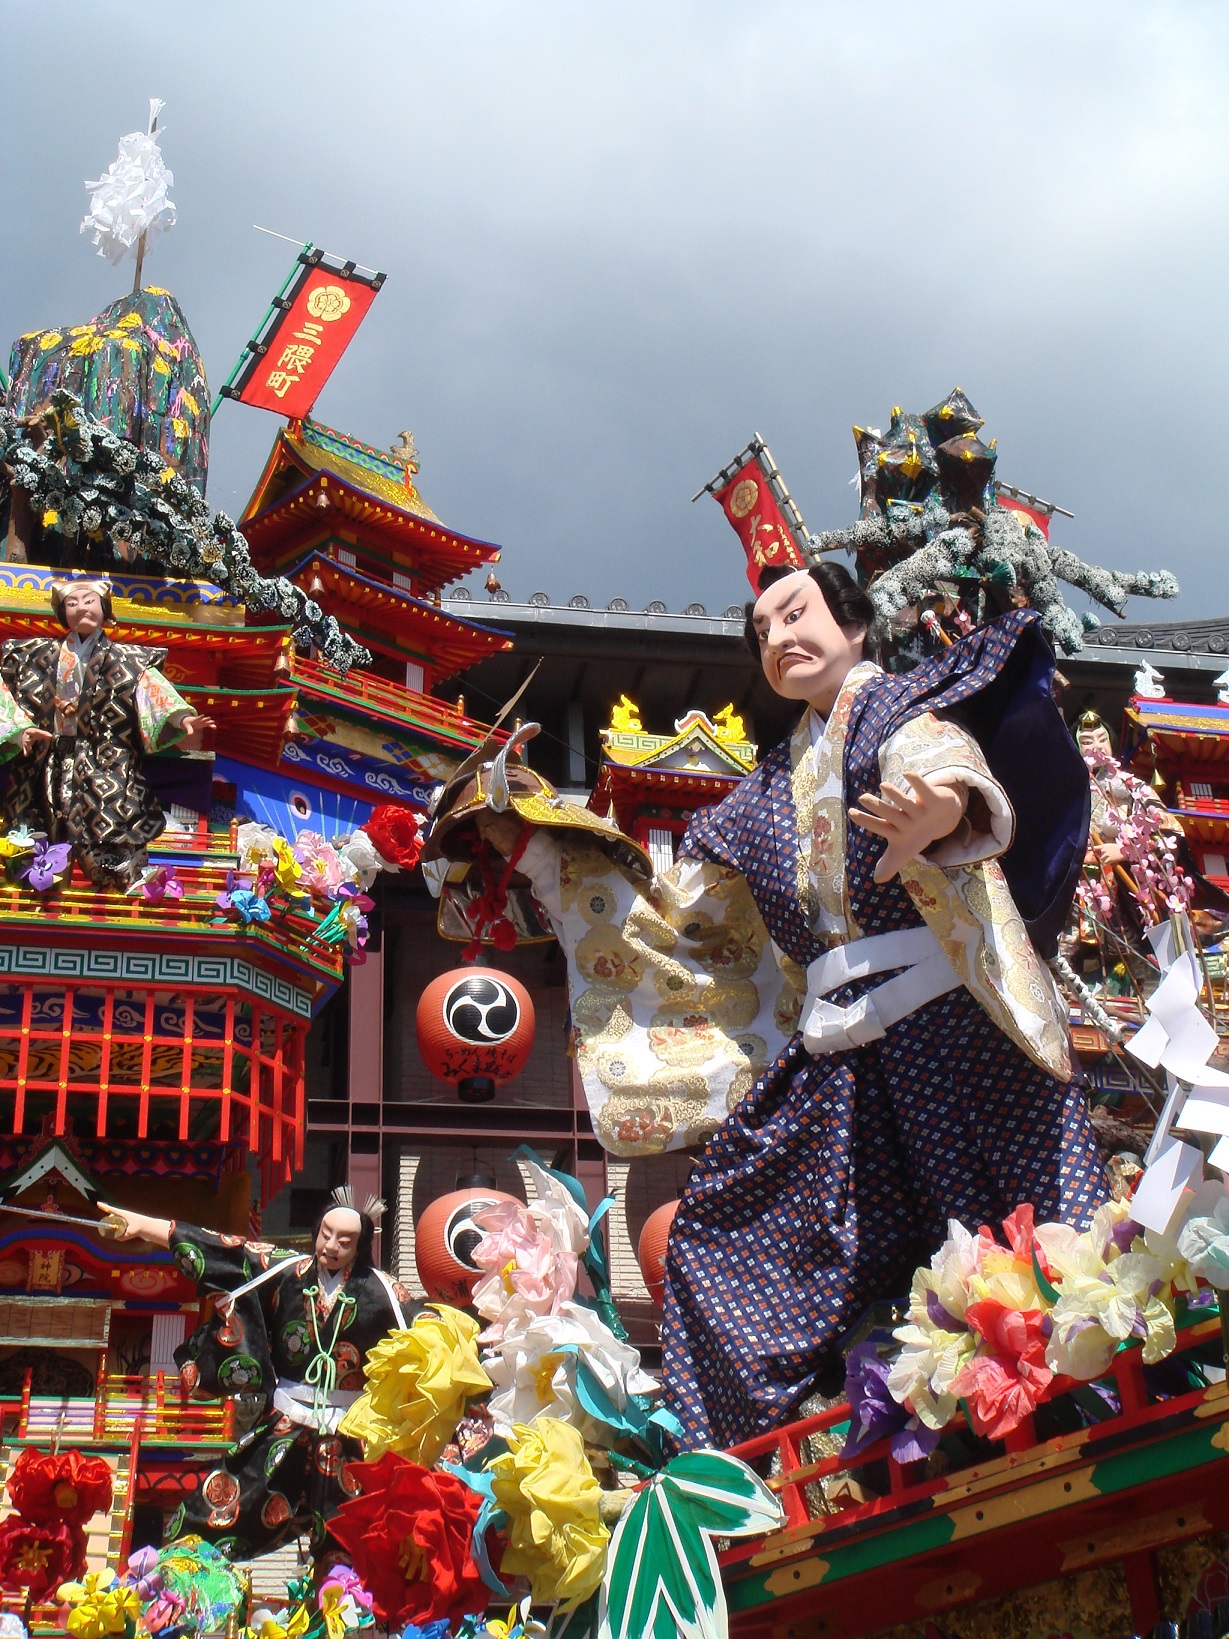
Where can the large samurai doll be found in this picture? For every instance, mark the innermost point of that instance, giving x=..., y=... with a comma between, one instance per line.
x=291, y=1331
x=838, y=991
x=77, y=716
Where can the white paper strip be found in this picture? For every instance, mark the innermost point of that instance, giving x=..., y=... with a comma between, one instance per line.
x=1205, y=1111
x=1177, y=1168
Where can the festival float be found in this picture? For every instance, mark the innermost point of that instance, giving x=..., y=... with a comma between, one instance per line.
x=222, y=736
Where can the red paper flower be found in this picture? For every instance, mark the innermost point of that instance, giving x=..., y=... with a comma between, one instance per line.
x=395, y=833
x=36, y=1556
x=1003, y=1388
x=408, y=1537
x=68, y=1486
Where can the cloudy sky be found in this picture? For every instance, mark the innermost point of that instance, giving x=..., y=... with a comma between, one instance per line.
x=621, y=238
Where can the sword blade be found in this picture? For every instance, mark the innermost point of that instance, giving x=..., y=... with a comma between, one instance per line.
x=98, y=1225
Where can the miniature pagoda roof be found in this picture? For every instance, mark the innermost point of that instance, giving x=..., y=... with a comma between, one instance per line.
x=697, y=746
x=377, y=471
x=393, y=621
x=49, y=1156
x=313, y=490
x=698, y=764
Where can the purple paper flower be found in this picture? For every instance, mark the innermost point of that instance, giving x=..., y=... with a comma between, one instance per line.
x=49, y=860
x=161, y=882
x=233, y=882
x=143, y=1572
x=875, y=1416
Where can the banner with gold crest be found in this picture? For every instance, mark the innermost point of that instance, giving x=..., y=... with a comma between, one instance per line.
x=753, y=496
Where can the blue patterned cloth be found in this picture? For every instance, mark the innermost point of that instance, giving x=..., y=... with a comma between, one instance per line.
x=835, y=1177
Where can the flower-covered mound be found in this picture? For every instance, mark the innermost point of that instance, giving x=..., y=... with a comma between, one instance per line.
x=999, y=1326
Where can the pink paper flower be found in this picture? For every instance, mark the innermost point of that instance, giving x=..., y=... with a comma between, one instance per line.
x=530, y=1271
x=322, y=869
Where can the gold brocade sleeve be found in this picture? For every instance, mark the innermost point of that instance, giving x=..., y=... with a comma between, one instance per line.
x=936, y=747
x=961, y=892
x=679, y=997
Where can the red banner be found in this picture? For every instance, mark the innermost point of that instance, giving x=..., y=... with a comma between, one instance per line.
x=1027, y=514
x=297, y=355
x=752, y=509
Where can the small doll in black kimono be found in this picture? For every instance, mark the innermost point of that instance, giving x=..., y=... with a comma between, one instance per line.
x=294, y=1330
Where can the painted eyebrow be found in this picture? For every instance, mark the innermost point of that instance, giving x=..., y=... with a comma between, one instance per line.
x=759, y=621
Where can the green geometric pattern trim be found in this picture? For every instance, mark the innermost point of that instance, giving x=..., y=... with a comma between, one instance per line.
x=170, y=968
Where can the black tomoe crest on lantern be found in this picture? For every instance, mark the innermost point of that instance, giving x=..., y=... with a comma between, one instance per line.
x=481, y=1009
x=475, y=1030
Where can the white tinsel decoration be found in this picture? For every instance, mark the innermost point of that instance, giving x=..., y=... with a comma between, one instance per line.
x=133, y=197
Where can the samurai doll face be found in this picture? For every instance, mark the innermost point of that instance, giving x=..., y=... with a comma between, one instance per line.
x=804, y=652
x=338, y=1238
x=83, y=610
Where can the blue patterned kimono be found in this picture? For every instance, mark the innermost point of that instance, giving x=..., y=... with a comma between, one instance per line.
x=835, y=1176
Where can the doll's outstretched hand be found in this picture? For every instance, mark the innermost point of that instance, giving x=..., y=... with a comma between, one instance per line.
x=909, y=820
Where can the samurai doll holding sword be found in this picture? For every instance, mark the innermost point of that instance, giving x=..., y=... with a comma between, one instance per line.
x=836, y=990
x=293, y=1330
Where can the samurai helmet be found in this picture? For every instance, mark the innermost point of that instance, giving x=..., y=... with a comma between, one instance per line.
x=498, y=783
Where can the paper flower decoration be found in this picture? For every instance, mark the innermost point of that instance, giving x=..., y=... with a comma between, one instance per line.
x=37, y=1555
x=67, y=1485
x=132, y=197
x=418, y=1383
x=554, y=1366
x=100, y=1605
x=396, y=833
x=874, y=1415
x=408, y=1537
x=555, y=1534
x=50, y=858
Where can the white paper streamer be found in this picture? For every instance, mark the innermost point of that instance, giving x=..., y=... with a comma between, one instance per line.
x=1178, y=1039
x=133, y=197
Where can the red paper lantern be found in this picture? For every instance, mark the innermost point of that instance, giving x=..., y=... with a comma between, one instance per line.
x=445, y=1238
x=651, y=1249
x=475, y=1029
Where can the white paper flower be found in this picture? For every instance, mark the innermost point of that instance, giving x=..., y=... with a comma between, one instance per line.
x=534, y=1371
x=1203, y=1239
x=132, y=197
x=556, y=1213
x=255, y=843
x=364, y=857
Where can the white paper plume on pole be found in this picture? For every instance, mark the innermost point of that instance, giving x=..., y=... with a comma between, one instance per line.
x=132, y=199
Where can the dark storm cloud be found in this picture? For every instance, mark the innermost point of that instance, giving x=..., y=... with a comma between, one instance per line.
x=619, y=239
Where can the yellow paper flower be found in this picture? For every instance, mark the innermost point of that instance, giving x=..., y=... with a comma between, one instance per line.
x=50, y=518
x=418, y=1384
x=48, y=340
x=101, y=1605
x=1006, y=1279
x=555, y=1534
x=271, y=1628
x=85, y=345
x=129, y=321
x=286, y=868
